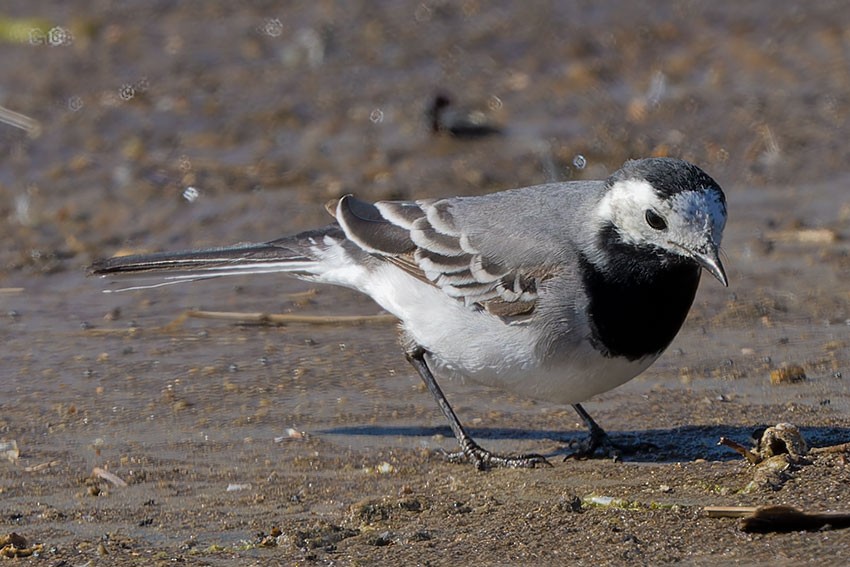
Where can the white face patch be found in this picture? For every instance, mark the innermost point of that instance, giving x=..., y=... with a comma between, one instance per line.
x=625, y=205
x=694, y=219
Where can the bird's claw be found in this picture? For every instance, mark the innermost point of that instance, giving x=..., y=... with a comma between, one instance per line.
x=483, y=459
x=593, y=446
x=602, y=446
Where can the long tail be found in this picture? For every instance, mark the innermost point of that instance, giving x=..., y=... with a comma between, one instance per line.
x=296, y=254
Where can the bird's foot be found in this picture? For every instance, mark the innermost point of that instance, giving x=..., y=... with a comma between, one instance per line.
x=600, y=445
x=483, y=459
x=596, y=444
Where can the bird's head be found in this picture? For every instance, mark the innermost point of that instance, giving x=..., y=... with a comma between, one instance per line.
x=669, y=206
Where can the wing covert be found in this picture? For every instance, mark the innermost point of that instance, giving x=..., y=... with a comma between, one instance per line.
x=425, y=239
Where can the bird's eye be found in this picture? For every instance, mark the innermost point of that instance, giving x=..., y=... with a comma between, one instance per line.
x=655, y=220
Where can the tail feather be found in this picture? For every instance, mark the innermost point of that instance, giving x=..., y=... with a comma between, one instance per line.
x=291, y=254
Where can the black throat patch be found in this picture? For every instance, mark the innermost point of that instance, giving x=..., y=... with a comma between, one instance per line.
x=639, y=303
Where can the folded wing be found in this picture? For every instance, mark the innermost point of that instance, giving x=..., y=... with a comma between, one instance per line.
x=423, y=238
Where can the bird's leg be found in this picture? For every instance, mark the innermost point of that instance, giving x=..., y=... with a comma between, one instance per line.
x=469, y=449
x=596, y=439
x=599, y=442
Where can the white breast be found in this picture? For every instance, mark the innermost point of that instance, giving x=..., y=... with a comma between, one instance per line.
x=478, y=346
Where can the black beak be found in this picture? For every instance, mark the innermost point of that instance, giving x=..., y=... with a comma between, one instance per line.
x=710, y=260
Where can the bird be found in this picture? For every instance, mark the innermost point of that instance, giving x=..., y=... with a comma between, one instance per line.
x=458, y=122
x=554, y=292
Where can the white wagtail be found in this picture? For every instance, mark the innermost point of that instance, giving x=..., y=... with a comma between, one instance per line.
x=556, y=292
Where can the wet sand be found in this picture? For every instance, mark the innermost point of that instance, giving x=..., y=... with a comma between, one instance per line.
x=260, y=445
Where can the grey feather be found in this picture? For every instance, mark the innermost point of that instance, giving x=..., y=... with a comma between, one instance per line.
x=444, y=236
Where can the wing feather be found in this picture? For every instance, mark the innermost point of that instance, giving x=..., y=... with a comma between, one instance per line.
x=424, y=239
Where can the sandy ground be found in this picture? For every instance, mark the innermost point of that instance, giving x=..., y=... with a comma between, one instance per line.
x=247, y=444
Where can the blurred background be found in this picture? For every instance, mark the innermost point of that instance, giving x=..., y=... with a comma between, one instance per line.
x=153, y=125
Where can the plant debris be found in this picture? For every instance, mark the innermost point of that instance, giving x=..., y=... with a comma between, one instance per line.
x=788, y=374
x=781, y=439
x=766, y=519
x=106, y=475
x=16, y=545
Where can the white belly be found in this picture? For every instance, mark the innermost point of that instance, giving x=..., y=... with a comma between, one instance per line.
x=569, y=381
x=480, y=347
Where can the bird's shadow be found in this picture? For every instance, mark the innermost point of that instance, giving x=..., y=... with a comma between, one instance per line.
x=675, y=444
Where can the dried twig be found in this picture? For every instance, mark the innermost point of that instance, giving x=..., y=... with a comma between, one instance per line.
x=729, y=511
x=840, y=448
x=41, y=466
x=256, y=318
x=805, y=236
x=106, y=475
x=780, y=518
x=284, y=318
x=746, y=453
